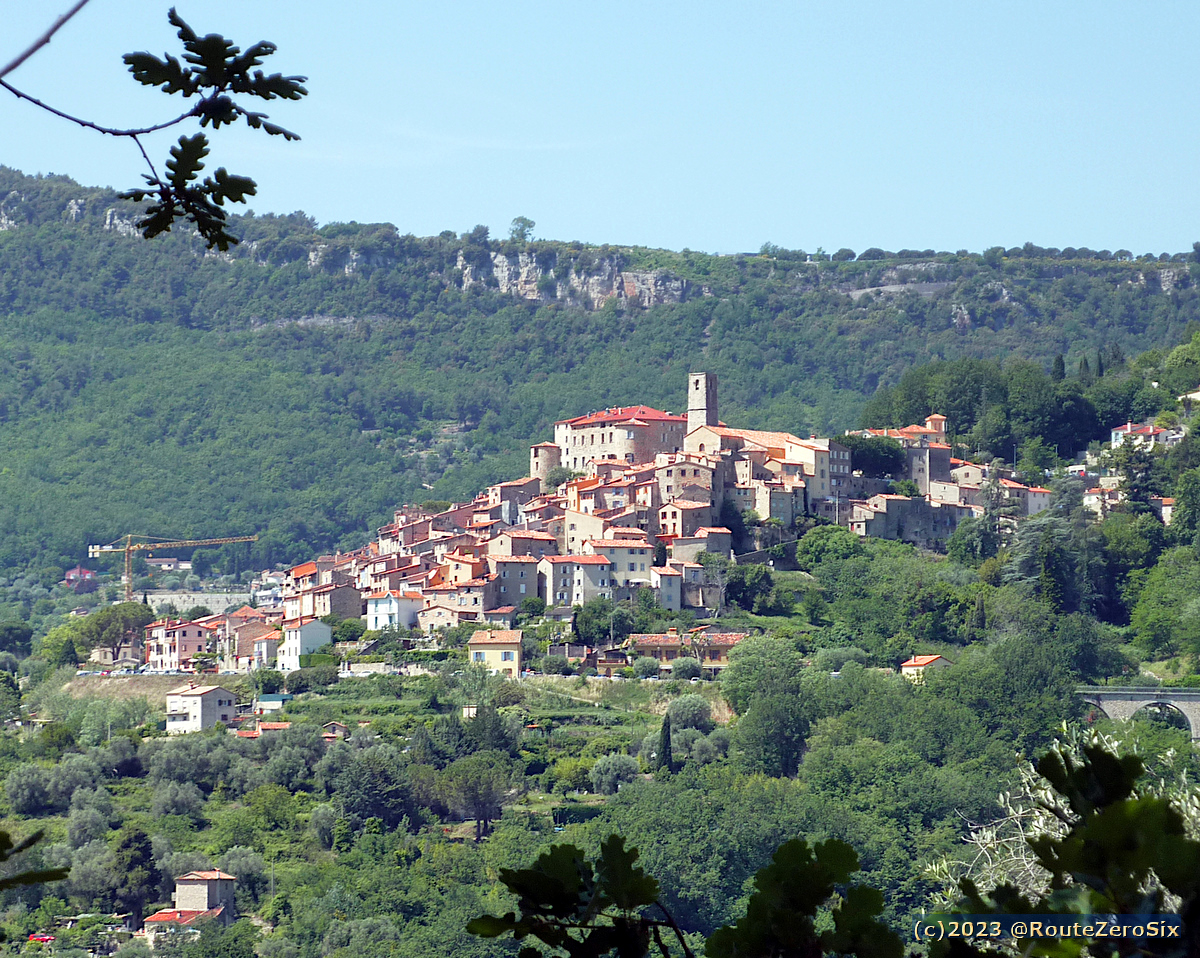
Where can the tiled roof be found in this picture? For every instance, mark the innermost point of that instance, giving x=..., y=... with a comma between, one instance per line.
x=919, y=661
x=307, y=568
x=621, y=413
x=758, y=436
x=687, y=504
x=619, y=543
x=174, y=916
x=527, y=534
x=246, y=612
x=496, y=637
x=666, y=638
x=195, y=690
x=214, y=875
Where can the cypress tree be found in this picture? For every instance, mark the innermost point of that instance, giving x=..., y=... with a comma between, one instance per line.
x=665, y=758
x=1059, y=371
x=1099, y=365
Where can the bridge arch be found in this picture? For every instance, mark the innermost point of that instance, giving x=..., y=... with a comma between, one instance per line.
x=1122, y=703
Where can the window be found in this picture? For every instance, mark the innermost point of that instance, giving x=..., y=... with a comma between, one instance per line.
x=522, y=588
x=503, y=588
x=506, y=657
x=477, y=657
x=633, y=567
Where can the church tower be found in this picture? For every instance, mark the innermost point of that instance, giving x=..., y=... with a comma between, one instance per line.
x=702, y=400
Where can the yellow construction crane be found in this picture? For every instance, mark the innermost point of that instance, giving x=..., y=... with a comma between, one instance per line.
x=129, y=547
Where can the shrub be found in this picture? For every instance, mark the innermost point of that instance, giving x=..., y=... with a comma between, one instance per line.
x=172, y=798
x=27, y=790
x=687, y=668
x=690, y=711
x=612, y=771
x=832, y=660
x=645, y=667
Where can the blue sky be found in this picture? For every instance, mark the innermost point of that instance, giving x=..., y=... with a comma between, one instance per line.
x=712, y=126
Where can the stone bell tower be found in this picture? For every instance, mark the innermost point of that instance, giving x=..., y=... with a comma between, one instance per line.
x=702, y=400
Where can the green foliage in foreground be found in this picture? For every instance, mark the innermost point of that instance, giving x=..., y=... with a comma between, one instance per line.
x=1118, y=852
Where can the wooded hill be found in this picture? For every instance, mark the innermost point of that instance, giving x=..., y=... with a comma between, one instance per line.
x=312, y=379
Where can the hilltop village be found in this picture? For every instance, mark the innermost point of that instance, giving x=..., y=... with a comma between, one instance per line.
x=623, y=499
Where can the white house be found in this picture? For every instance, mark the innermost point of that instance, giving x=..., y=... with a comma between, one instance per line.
x=301, y=637
x=575, y=580
x=193, y=708
x=667, y=583
x=393, y=608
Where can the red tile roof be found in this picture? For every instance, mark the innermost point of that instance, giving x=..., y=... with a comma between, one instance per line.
x=496, y=637
x=621, y=413
x=920, y=661
x=212, y=875
x=178, y=917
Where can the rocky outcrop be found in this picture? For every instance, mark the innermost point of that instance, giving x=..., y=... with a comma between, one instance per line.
x=7, y=203
x=122, y=226
x=525, y=277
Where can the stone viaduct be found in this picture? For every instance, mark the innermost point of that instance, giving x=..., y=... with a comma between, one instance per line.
x=1119, y=703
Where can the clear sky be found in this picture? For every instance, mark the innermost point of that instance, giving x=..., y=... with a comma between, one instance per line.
x=713, y=126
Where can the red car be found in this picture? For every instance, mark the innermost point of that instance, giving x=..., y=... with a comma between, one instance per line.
x=44, y=939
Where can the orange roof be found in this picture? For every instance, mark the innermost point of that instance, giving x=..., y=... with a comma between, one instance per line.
x=526, y=534
x=175, y=916
x=273, y=726
x=768, y=439
x=667, y=638
x=307, y=568
x=502, y=558
x=920, y=661
x=621, y=413
x=620, y=543
x=496, y=637
x=212, y=875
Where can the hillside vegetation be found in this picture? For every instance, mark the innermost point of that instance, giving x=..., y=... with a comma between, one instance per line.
x=308, y=382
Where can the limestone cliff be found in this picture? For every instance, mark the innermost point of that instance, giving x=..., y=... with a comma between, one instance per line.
x=526, y=277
